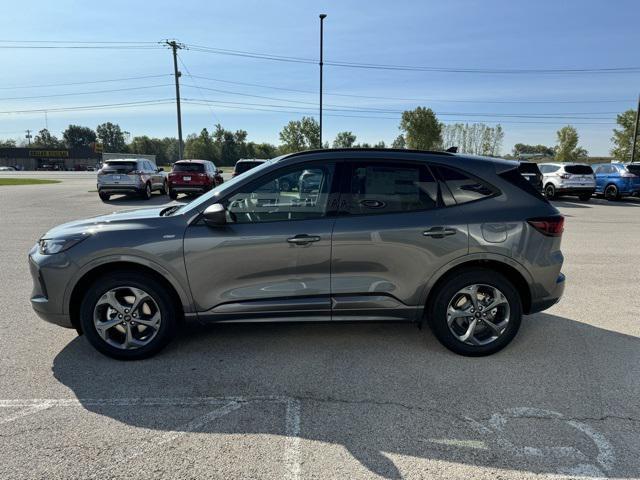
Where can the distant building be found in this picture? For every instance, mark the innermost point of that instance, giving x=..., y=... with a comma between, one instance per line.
x=78, y=158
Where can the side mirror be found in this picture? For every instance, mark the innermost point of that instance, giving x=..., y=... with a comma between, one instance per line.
x=215, y=215
x=160, y=169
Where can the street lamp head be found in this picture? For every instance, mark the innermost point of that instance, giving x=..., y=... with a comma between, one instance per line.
x=323, y=16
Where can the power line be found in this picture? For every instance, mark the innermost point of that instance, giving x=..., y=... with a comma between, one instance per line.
x=86, y=93
x=89, y=82
x=91, y=107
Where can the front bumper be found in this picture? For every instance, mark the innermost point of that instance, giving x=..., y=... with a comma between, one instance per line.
x=540, y=304
x=48, y=291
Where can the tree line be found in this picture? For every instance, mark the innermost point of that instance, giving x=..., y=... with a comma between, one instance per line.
x=420, y=129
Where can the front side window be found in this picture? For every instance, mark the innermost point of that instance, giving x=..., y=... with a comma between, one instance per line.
x=381, y=188
x=463, y=187
x=267, y=201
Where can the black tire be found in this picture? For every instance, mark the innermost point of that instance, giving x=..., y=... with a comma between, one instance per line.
x=436, y=313
x=104, y=196
x=550, y=191
x=146, y=192
x=611, y=192
x=173, y=194
x=585, y=197
x=164, y=189
x=143, y=281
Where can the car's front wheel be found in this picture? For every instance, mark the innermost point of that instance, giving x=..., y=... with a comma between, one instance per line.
x=164, y=189
x=128, y=315
x=475, y=313
x=146, y=192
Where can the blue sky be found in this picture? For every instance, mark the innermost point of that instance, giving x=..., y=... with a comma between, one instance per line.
x=487, y=34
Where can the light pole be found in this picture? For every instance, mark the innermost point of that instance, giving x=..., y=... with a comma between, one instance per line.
x=322, y=17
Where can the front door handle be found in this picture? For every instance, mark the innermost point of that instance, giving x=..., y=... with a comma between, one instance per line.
x=303, y=239
x=439, y=232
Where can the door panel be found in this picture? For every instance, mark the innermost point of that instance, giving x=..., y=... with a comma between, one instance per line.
x=391, y=237
x=272, y=259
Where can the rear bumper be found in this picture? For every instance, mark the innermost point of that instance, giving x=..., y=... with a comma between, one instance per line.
x=120, y=188
x=540, y=304
x=575, y=190
x=189, y=188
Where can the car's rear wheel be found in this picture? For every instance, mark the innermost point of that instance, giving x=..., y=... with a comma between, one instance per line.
x=550, y=191
x=128, y=315
x=173, y=194
x=104, y=196
x=146, y=192
x=612, y=192
x=475, y=313
x=585, y=197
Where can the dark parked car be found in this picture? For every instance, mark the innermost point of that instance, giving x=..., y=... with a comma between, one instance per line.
x=465, y=244
x=245, y=164
x=532, y=174
x=193, y=177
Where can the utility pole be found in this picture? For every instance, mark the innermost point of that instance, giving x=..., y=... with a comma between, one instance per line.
x=635, y=133
x=322, y=17
x=28, y=136
x=175, y=46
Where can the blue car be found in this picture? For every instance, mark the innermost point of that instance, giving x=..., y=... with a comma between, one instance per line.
x=616, y=180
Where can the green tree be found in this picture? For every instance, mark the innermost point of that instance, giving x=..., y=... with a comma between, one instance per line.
x=300, y=135
x=78, y=136
x=421, y=129
x=399, y=142
x=542, y=150
x=344, y=140
x=623, y=137
x=111, y=137
x=45, y=139
x=567, y=149
x=199, y=146
x=9, y=143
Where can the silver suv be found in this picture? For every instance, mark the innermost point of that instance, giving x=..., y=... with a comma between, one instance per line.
x=568, y=179
x=130, y=175
x=465, y=244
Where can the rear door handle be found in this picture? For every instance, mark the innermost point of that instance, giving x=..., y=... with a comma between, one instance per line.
x=439, y=232
x=303, y=239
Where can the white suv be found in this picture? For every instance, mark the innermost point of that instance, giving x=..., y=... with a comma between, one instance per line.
x=576, y=179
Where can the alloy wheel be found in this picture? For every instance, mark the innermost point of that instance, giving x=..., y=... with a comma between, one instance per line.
x=478, y=314
x=127, y=318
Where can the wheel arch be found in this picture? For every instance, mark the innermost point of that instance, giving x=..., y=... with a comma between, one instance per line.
x=87, y=278
x=513, y=271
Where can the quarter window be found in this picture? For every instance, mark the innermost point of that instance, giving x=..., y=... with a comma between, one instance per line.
x=380, y=188
x=463, y=187
x=298, y=194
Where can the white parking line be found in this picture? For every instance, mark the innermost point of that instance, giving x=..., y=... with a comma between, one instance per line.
x=223, y=406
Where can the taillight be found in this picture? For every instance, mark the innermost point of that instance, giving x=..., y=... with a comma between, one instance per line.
x=136, y=172
x=565, y=176
x=549, y=226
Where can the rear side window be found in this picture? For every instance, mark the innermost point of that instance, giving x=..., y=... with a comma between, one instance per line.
x=635, y=169
x=579, y=169
x=390, y=188
x=463, y=187
x=188, y=167
x=549, y=168
x=515, y=178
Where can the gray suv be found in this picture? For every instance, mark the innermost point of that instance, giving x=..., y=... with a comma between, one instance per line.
x=130, y=175
x=462, y=243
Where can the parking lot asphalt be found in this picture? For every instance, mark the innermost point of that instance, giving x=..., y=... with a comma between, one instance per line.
x=293, y=401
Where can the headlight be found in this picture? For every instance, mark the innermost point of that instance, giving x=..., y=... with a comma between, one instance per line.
x=50, y=246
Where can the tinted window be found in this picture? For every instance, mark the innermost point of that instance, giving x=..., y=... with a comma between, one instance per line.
x=188, y=167
x=120, y=167
x=526, y=167
x=515, y=178
x=386, y=188
x=242, y=167
x=635, y=169
x=464, y=187
x=578, y=169
x=549, y=168
x=265, y=201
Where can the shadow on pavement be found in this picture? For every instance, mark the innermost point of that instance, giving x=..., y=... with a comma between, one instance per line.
x=542, y=405
x=156, y=200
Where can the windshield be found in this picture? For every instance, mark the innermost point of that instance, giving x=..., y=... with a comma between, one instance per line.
x=120, y=167
x=242, y=167
x=222, y=188
x=188, y=167
x=578, y=169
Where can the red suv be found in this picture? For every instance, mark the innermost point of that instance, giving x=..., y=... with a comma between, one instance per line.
x=193, y=176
